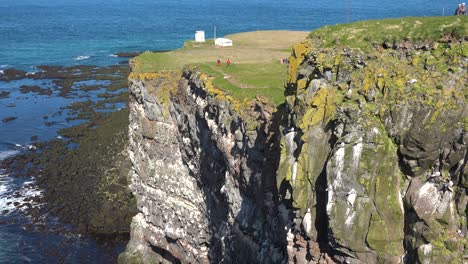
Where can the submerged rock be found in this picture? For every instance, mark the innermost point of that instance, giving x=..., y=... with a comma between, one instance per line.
x=9, y=119
x=4, y=94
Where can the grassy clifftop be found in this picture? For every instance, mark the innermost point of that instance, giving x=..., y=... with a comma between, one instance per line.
x=255, y=68
x=364, y=34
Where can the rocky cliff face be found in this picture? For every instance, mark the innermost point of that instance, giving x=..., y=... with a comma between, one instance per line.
x=376, y=152
x=364, y=163
x=203, y=174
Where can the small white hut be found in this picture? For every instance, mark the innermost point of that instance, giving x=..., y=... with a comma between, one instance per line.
x=199, y=36
x=223, y=42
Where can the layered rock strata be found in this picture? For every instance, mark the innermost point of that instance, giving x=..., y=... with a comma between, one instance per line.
x=374, y=153
x=364, y=163
x=203, y=174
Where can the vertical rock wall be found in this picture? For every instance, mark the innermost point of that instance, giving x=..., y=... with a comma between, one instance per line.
x=374, y=154
x=203, y=174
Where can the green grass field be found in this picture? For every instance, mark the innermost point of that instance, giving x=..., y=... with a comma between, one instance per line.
x=364, y=33
x=255, y=68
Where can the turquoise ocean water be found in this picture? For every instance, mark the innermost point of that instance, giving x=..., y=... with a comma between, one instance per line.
x=59, y=32
x=89, y=32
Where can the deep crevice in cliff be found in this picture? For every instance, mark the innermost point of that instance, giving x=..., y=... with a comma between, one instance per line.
x=166, y=255
x=321, y=222
x=254, y=175
x=212, y=177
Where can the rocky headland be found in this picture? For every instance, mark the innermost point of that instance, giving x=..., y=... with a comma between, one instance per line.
x=363, y=162
x=355, y=152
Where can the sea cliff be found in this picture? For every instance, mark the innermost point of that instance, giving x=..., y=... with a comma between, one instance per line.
x=364, y=162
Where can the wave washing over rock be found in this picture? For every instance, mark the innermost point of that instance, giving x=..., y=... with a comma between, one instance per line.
x=359, y=165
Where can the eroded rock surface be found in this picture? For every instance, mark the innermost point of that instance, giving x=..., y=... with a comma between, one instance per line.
x=376, y=153
x=203, y=174
x=364, y=163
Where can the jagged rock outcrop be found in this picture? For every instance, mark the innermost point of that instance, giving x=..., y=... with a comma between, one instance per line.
x=364, y=163
x=375, y=153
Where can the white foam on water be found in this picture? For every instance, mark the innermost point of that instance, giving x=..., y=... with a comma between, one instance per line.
x=11, y=194
x=84, y=57
x=2, y=71
x=8, y=153
x=5, y=183
x=113, y=55
x=3, y=188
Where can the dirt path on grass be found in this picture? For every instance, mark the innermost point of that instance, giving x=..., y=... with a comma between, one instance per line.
x=233, y=80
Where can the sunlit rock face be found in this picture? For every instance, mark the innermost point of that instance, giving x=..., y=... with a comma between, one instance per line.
x=365, y=162
x=375, y=154
x=203, y=175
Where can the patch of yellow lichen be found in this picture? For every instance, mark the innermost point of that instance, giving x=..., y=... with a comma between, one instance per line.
x=381, y=76
x=144, y=76
x=368, y=82
x=302, y=84
x=135, y=64
x=163, y=85
x=297, y=57
x=321, y=108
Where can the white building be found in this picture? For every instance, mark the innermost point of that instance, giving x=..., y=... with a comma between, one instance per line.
x=223, y=42
x=200, y=36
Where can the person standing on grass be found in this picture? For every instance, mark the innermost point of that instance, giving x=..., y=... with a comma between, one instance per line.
x=228, y=62
x=218, y=62
x=462, y=10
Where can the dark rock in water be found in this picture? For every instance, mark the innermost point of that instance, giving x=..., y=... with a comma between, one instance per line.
x=36, y=199
x=35, y=89
x=8, y=119
x=12, y=74
x=4, y=212
x=40, y=228
x=28, y=227
x=49, y=124
x=88, y=88
x=4, y=94
x=84, y=186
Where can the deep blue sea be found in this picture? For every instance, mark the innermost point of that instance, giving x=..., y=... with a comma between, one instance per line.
x=90, y=32
x=34, y=32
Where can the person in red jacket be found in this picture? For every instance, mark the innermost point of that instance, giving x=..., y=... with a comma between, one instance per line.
x=228, y=62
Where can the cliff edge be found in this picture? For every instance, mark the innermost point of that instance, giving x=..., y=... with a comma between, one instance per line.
x=364, y=162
